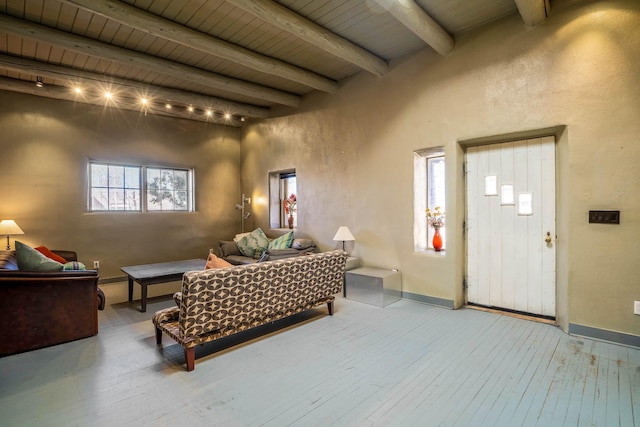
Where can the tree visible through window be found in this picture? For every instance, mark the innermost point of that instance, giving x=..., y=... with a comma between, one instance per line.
x=167, y=189
x=119, y=188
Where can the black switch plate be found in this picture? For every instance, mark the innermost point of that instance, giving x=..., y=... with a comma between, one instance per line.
x=604, y=217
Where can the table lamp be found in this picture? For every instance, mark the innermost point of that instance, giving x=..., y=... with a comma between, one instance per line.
x=344, y=235
x=10, y=228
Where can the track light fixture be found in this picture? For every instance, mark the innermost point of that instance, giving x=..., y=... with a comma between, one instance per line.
x=39, y=82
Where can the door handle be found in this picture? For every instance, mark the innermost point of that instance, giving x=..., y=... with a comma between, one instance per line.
x=548, y=238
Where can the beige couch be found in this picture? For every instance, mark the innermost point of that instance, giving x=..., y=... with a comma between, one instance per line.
x=220, y=302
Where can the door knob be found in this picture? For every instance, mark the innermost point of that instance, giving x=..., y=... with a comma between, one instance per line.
x=548, y=238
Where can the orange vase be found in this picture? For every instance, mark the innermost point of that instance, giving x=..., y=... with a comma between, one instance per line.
x=437, y=240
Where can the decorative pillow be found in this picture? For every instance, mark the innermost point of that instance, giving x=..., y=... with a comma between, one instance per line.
x=47, y=252
x=31, y=260
x=254, y=244
x=240, y=236
x=303, y=243
x=214, y=262
x=228, y=248
x=282, y=242
x=74, y=265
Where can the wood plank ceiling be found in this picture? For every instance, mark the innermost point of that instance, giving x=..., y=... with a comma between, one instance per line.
x=222, y=61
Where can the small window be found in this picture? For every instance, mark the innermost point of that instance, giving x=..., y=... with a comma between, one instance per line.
x=283, y=199
x=119, y=188
x=114, y=187
x=429, y=193
x=168, y=190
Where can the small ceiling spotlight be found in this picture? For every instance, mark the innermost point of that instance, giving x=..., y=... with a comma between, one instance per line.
x=209, y=113
x=227, y=116
x=39, y=82
x=108, y=95
x=77, y=90
x=242, y=119
x=167, y=106
x=190, y=108
x=144, y=101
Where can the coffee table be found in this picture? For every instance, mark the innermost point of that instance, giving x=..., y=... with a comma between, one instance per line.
x=151, y=274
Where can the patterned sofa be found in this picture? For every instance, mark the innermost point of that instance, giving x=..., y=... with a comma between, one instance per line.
x=220, y=302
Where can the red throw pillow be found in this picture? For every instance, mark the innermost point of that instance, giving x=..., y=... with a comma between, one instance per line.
x=47, y=252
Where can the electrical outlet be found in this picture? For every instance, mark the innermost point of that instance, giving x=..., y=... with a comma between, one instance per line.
x=96, y=264
x=636, y=307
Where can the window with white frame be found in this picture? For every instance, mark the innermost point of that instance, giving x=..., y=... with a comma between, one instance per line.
x=115, y=187
x=283, y=199
x=429, y=193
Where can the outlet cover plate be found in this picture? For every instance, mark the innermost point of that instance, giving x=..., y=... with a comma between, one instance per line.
x=636, y=307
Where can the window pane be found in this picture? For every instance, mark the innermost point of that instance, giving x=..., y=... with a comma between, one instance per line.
x=100, y=199
x=116, y=199
x=132, y=200
x=180, y=180
x=116, y=176
x=99, y=175
x=180, y=198
x=436, y=194
x=132, y=177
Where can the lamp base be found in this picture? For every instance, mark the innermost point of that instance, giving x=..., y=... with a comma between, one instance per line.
x=8, y=245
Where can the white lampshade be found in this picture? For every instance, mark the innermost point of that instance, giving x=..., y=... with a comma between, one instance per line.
x=344, y=234
x=9, y=227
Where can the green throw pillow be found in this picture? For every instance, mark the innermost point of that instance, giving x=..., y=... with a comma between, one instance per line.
x=74, y=265
x=282, y=242
x=254, y=244
x=31, y=260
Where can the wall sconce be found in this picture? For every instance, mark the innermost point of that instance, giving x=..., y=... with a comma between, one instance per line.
x=344, y=235
x=241, y=207
x=10, y=228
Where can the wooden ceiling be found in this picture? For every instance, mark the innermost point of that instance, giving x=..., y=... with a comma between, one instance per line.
x=222, y=61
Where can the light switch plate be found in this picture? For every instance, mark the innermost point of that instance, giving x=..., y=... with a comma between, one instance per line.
x=636, y=307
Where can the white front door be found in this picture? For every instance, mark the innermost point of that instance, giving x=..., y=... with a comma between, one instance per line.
x=511, y=256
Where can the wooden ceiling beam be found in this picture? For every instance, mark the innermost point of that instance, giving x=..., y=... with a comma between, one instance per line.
x=533, y=12
x=420, y=23
x=89, y=79
x=61, y=93
x=163, y=28
x=98, y=49
x=307, y=30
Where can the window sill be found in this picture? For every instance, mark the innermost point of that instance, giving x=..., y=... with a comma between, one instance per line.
x=432, y=252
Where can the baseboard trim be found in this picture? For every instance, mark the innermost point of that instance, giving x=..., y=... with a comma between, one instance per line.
x=108, y=280
x=440, y=302
x=604, y=335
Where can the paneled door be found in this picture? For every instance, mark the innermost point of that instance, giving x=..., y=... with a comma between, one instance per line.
x=510, y=220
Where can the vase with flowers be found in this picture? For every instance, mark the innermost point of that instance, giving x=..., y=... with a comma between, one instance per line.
x=436, y=220
x=290, y=207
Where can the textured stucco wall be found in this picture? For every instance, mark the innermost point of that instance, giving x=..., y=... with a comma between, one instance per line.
x=353, y=151
x=45, y=146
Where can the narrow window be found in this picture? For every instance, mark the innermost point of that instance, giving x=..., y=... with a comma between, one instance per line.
x=429, y=193
x=283, y=199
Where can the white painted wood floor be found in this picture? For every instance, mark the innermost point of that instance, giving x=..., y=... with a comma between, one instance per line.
x=408, y=364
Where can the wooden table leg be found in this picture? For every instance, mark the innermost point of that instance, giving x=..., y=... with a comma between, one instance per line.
x=130, y=289
x=143, y=303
